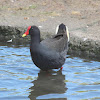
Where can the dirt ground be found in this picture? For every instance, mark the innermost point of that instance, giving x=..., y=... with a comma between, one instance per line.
x=78, y=15
x=81, y=16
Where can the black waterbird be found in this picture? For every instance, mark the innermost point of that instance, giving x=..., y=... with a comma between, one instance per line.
x=51, y=52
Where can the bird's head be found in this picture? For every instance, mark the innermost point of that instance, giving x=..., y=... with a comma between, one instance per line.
x=31, y=30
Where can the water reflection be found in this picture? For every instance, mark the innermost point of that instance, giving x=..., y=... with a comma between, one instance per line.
x=48, y=83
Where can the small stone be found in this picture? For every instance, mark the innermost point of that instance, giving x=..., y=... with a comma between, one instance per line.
x=26, y=18
x=9, y=40
x=40, y=26
x=84, y=39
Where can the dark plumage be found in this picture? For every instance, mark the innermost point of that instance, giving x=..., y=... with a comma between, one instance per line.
x=51, y=52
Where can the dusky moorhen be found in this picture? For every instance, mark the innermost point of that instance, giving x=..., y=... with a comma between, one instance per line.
x=51, y=52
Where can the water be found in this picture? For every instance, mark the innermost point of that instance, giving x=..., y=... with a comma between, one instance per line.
x=21, y=80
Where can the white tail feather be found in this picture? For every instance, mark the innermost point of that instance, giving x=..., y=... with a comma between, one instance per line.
x=67, y=33
x=57, y=29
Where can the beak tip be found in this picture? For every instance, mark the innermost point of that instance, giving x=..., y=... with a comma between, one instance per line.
x=23, y=35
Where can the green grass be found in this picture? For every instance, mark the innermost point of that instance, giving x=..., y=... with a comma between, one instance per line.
x=32, y=6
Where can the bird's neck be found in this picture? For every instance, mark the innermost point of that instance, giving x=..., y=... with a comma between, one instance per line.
x=35, y=40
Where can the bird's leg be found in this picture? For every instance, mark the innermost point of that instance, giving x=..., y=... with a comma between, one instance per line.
x=61, y=68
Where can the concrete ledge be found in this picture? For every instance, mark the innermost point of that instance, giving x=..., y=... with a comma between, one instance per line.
x=84, y=47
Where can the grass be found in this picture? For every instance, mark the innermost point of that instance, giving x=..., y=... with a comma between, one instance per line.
x=50, y=13
x=32, y=6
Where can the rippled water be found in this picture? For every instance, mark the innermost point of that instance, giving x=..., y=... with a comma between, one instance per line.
x=21, y=80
